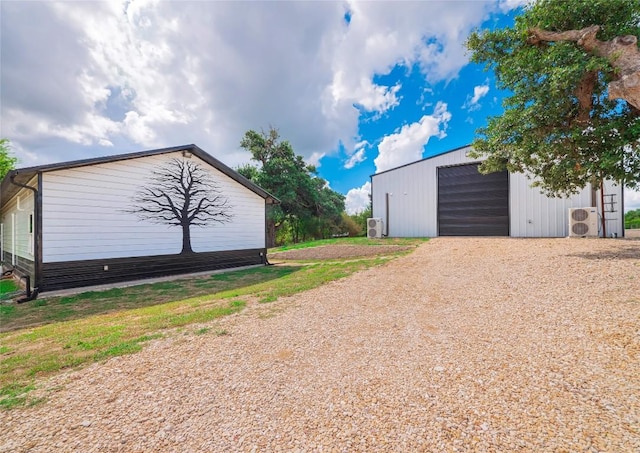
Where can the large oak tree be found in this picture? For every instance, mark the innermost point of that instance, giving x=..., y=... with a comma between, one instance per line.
x=573, y=115
x=307, y=205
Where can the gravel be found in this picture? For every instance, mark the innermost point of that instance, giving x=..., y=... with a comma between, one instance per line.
x=466, y=344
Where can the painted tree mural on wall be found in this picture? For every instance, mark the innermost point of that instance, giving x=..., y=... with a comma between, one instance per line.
x=182, y=194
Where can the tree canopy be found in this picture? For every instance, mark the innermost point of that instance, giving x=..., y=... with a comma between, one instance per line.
x=632, y=219
x=7, y=160
x=567, y=121
x=308, y=207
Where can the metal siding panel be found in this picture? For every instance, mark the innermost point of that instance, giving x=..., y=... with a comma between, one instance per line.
x=533, y=214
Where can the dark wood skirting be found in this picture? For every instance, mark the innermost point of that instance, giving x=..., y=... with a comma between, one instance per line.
x=71, y=274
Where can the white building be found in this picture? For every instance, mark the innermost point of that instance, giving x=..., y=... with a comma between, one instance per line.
x=445, y=195
x=125, y=217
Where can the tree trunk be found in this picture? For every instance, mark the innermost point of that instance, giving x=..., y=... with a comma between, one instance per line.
x=271, y=233
x=186, y=238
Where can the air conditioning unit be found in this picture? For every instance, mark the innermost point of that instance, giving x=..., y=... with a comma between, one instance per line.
x=374, y=228
x=583, y=222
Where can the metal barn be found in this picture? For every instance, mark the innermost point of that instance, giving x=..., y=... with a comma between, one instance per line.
x=445, y=195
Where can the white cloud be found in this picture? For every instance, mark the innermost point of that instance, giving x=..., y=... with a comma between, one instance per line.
x=358, y=199
x=631, y=200
x=357, y=155
x=408, y=144
x=508, y=5
x=473, y=102
x=151, y=73
x=355, y=158
x=382, y=35
x=315, y=158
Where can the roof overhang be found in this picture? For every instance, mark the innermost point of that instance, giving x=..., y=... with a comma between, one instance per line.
x=23, y=175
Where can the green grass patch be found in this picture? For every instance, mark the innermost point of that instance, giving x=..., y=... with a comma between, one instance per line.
x=350, y=241
x=8, y=285
x=90, y=303
x=9, y=288
x=125, y=347
x=7, y=310
x=65, y=332
x=14, y=395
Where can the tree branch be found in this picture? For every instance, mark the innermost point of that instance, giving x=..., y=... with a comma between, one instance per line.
x=621, y=52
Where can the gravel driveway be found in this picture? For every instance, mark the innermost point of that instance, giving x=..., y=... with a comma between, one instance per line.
x=471, y=344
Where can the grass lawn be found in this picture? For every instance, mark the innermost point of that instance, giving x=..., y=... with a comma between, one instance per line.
x=350, y=241
x=47, y=335
x=7, y=288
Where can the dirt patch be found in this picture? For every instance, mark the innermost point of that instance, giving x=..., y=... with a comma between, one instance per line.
x=329, y=252
x=632, y=234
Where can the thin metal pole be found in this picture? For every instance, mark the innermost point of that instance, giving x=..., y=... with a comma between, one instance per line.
x=604, y=223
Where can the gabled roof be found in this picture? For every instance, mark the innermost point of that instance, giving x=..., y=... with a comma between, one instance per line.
x=422, y=160
x=23, y=175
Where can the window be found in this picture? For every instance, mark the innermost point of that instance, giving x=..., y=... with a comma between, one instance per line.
x=31, y=233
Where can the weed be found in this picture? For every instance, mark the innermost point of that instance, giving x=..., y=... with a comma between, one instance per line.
x=7, y=310
x=13, y=395
x=202, y=331
x=125, y=347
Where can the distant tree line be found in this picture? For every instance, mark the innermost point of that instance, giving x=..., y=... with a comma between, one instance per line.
x=309, y=209
x=632, y=219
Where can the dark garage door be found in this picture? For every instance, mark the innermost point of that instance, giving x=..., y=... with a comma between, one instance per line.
x=472, y=204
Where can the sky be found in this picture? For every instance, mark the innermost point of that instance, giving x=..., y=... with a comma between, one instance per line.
x=355, y=87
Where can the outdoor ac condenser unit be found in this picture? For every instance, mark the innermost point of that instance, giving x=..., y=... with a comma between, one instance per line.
x=583, y=222
x=374, y=228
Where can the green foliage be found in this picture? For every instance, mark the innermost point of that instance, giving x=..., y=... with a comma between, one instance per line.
x=352, y=227
x=7, y=160
x=632, y=219
x=361, y=219
x=308, y=208
x=545, y=130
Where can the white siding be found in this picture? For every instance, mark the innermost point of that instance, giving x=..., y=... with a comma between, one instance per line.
x=413, y=201
x=84, y=214
x=16, y=218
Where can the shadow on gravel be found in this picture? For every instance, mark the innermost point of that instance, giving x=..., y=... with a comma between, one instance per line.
x=630, y=251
